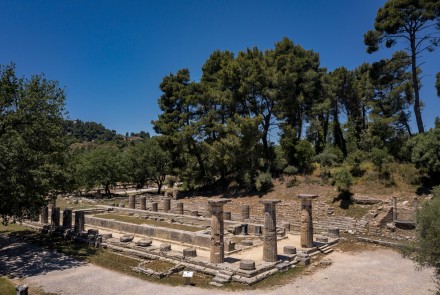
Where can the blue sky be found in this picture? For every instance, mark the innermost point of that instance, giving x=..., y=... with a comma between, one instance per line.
x=112, y=55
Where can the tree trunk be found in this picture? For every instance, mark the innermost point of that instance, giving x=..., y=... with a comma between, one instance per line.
x=415, y=81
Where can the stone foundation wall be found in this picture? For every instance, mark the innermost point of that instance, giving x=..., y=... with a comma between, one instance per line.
x=198, y=239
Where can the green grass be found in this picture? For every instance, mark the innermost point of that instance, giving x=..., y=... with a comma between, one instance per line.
x=138, y=220
x=6, y=287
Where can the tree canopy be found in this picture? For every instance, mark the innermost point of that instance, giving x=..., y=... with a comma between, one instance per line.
x=416, y=22
x=32, y=142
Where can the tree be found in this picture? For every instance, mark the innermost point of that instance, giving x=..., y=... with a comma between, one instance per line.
x=425, y=250
x=100, y=166
x=425, y=152
x=32, y=143
x=415, y=21
x=145, y=160
x=437, y=83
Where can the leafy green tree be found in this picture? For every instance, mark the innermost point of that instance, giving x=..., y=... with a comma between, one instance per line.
x=100, y=166
x=32, y=143
x=424, y=250
x=417, y=22
x=425, y=151
x=146, y=161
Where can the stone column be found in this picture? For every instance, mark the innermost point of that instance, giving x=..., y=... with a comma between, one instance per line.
x=132, y=201
x=67, y=218
x=154, y=207
x=55, y=216
x=45, y=214
x=217, y=230
x=270, y=253
x=79, y=221
x=166, y=205
x=143, y=201
x=21, y=290
x=179, y=208
x=306, y=220
x=394, y=209
x=416, y=204
x=245, y=212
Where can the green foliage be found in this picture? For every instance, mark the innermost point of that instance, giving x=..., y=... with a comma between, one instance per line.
x=144, y=161
x=425, y=251
x=79, y=131
x=425, y=151
x=343, y=180
x=290, y=170
x=304, y=154
x=32, y=142
x=414, y=22
x=263, y=182
x=380, y=157
x=99, y=166
x=354, y=160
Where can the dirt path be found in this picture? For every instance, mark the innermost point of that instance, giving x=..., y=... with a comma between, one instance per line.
x=369, y=272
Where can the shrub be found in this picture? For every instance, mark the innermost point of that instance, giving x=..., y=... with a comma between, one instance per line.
x=292, y=182
x=380, y=157
x=354, y=160
x=343, y=180
x=290, y=170
x=426, y=150
x=263, y=182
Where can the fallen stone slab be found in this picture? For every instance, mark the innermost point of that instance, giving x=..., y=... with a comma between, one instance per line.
x=126, y=238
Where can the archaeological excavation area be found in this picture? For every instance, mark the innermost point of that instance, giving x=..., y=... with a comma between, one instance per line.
x=202, y=238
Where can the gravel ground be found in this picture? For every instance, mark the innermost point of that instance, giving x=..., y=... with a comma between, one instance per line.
x=381, y=271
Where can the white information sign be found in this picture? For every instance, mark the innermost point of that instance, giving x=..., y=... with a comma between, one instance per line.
x=187, y=274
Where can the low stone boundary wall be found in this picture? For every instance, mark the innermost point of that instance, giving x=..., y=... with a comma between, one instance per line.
x=380, y=242
x=199, y=239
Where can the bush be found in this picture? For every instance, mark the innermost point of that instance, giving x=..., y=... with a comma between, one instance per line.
x=425, y=249
x=426, y=150
x=290, y=170
x=263, y=182
x=380, y=157
x=343, y=180
x=292, y=182
x=354, y=160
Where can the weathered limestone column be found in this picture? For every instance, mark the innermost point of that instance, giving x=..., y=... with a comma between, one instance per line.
x=217, y=230
x=394, y=208
x=67, y=218
x=306, y=220
x=416, y=204
x=143, y=201
x=270, y=253
x=132, y=201
x=79, y=221
x=179, y=208
x=55, y=216
x=245, y=212
x=45, y=214
x=166, y=205
x=154, y=207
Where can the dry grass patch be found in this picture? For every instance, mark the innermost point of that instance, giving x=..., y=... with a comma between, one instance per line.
x=138, y=220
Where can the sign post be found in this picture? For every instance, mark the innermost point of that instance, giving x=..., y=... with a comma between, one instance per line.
x=187, y=275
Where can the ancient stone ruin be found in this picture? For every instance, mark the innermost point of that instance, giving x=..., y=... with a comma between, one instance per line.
x=228, y=246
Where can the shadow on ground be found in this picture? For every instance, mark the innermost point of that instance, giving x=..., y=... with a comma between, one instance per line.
x=18, y=258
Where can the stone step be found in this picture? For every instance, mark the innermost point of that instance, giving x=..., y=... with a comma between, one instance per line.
x=215, y=284
x=221, y=278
